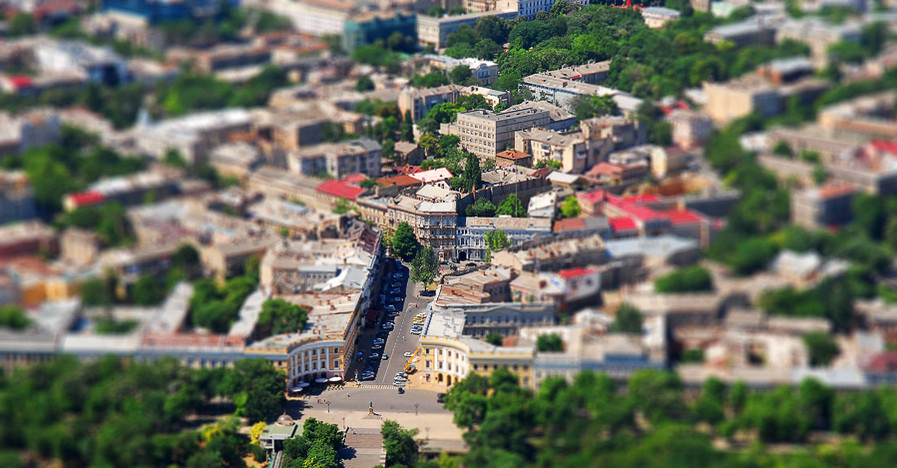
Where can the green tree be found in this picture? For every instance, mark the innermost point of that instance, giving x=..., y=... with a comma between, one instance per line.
x=388, y=148
x=570, y=207
x=401, y=450
x=627, y=319
x=364, y=83
x=689, y=279
x=22, y=24
x=256, y=388
x=424, y=267
x=497, y=240
x=821, y=348
x=342, y=206
x=472, y=177
x=512, y=206
x=549, y=342
x=407, y=127
x=279, y=316
x=96, y=292
x=657, y=394
x=13, y=317
x=460, y=75
x=481, y=207
x=404, y=242
x=495, y=339
x=148, y=290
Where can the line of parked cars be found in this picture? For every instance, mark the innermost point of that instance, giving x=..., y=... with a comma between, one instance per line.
x=392, y=299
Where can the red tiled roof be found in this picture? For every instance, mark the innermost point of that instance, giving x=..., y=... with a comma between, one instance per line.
x=592, y=197
x=399, y=180
x=679, y=217
x=642, y=213
x=408, y=169
x=20, y=81
x=646, y=198
x=576, y=272
x=887, y=146
x=354, y=179
x=87, y=198
x=623, y=224
x=883, y=362
x=340, y=189
x=570, y=224
x=605, y=168
x=512, y=154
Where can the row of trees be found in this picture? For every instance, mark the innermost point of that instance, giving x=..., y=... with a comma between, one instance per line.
x=111, y=412
x=590, y=422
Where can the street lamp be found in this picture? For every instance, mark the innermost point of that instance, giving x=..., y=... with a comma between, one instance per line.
x=428, y=433
x=415, y=408
x=328, y=406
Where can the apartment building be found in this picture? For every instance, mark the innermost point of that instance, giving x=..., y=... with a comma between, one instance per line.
x=97, y=64
x=572, y=150
x=16, y=197
x=823, y=207
x=432, y=213
x=740, y=97
x=562, y=91
x=657, y=17
x=691, y=129
x=360, y=156
x=485, y=71
x=485, y=133
x=471, y=233
x=435, y=31
x=818, y=35
x=419, y=101
x=561, y=120
x=194, y=135
x=756, y=30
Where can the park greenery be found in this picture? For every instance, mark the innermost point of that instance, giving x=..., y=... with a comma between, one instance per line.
x=654, y=423
x=401, y=449
x=217, y=306
x=279, y=316
x=689, y=279
x=511, y=206
x=316, y=447
x=113, y=412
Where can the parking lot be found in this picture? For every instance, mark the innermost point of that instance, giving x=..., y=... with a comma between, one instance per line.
x=399, y=301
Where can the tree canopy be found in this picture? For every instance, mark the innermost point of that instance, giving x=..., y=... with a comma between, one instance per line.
x=404, y=242
x=424, y=267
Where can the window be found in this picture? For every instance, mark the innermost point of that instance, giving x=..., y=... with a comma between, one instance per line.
x=476, y=367
x=427, y=365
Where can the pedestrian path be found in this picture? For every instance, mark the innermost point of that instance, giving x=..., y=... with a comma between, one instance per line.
x=363, y=448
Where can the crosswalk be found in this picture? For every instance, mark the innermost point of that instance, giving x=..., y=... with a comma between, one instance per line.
x=376, y=386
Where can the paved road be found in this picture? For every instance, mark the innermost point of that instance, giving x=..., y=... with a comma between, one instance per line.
x=398, y=342
x=401, y=340
x=359, y=399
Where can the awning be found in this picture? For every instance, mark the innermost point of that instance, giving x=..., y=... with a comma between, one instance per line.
x=321, y=380
x=297, y=388
x=335, y=379
x=303, y=384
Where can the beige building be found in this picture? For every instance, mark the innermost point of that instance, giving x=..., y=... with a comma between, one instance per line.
x=691, y=129
x=485, y=133
x=435, y=31
x=360, y=156
x=433, y=215
x=739, y=97
x=572, y=150
x=818, y=35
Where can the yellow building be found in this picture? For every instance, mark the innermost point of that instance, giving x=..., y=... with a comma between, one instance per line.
x=449, y=360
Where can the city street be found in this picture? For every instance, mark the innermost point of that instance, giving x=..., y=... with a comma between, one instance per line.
x=398, y=341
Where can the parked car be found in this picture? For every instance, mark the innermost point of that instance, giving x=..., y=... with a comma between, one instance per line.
x=440, y=398
x=408, y=354
x=384, y=357
x=399, y=384
x=375, y=356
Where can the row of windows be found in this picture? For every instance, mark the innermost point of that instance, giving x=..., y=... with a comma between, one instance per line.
x=514, y=367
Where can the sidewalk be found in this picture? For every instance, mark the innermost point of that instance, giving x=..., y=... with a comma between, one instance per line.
x=441, y=426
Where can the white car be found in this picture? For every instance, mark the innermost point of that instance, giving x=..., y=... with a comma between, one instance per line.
x=408, y=354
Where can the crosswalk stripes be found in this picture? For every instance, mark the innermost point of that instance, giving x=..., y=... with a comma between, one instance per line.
x=376, y=386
